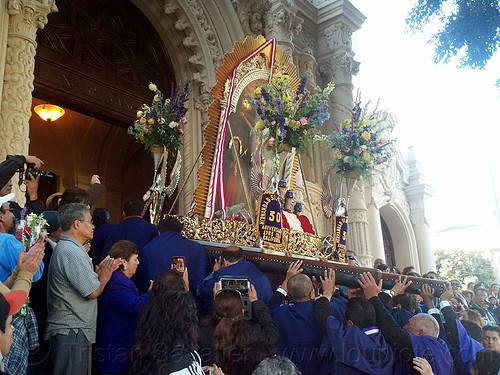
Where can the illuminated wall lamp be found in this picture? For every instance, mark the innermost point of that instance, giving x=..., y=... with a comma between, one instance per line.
x=49, y=112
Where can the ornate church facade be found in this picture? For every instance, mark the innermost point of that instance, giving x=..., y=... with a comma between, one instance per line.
x=96, y=59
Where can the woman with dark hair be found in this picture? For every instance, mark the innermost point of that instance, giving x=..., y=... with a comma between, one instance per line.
x=118, y=307
x=473, y=315
x=225, y=335
x=487, y=363
x=166, y=337
x=170, y=281
x=74, y=195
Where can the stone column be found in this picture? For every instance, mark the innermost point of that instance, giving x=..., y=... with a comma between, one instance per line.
x=336, y=60
x=375, y=232
x=25, y=18
x=282, y=23
x=357, y=229
x=418, y=194
x=4, y=29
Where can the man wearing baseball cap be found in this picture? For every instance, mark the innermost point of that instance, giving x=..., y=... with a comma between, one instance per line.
x=10, y=303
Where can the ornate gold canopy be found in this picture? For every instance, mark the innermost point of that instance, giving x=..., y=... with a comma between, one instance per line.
x=258, y=68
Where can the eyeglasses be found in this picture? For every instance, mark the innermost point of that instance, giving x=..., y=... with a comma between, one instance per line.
x=455, y=284
x=86, y=221
x=350, y=257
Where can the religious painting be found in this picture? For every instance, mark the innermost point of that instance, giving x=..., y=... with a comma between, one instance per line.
x=234, y=171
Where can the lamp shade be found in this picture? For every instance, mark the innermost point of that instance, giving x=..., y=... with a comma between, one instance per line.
x=49, y=112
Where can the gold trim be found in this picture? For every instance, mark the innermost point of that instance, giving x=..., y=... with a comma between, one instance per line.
x=232, y=61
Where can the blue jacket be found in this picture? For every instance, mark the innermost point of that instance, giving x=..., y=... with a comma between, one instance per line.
x=118, y=307
x=435, y=351
x=100, y=236
x=354, y=350
x=302, y=349
x=134, y=229
x=10, y=249
x=157, y=255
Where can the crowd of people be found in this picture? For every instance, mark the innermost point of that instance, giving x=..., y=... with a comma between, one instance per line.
x=108, y=299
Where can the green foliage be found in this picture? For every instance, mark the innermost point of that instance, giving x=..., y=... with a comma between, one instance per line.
x=471, y=27
x=463, y=266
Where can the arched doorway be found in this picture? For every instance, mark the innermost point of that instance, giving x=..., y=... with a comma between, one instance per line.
x=402, y=236
x=96, y=59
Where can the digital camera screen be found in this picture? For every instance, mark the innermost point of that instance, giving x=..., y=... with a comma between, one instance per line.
x=241, y=285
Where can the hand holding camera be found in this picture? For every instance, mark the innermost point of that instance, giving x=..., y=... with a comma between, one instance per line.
x=37, y=163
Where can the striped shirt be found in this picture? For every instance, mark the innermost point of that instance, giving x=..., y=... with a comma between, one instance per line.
x=71, y=278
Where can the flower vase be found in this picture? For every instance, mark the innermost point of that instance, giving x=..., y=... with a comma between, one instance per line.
x=350, y=180
x=286, y=147
x=157, y=153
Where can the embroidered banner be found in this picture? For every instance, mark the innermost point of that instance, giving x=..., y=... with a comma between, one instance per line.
x=340, y=236
x=269, y=219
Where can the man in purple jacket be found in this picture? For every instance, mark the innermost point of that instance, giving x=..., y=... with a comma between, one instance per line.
x=418, y=338
x=231, y=263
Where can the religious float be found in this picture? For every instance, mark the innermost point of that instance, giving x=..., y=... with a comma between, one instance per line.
x=263, y=119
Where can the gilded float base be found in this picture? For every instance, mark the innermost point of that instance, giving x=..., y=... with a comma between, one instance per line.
x=243, y=234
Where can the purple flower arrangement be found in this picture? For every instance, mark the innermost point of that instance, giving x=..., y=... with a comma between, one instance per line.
x=161, y=123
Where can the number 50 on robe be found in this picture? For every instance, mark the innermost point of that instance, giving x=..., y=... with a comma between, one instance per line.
x=269, y=220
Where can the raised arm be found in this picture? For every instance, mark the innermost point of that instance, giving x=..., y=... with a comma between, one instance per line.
x=396, y=336
x=279, y=295
x=260, y=311
x=322, y=306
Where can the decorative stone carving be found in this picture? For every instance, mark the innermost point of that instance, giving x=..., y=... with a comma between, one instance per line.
x=202, y=103
x=282, y=22
x=251, y=14
x=341, y=66
x=192, y=41
x=210, y=38
x=337, y=35
x=25, y=18
x=307, y=68
x=309, y=42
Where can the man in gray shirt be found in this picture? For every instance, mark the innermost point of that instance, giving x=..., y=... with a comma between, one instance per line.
x=73, y=288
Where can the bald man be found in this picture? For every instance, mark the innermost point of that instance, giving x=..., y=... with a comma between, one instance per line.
x=418, y=338
x=297, y=316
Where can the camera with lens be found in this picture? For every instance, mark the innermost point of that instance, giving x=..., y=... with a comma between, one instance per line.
x=30, y=169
